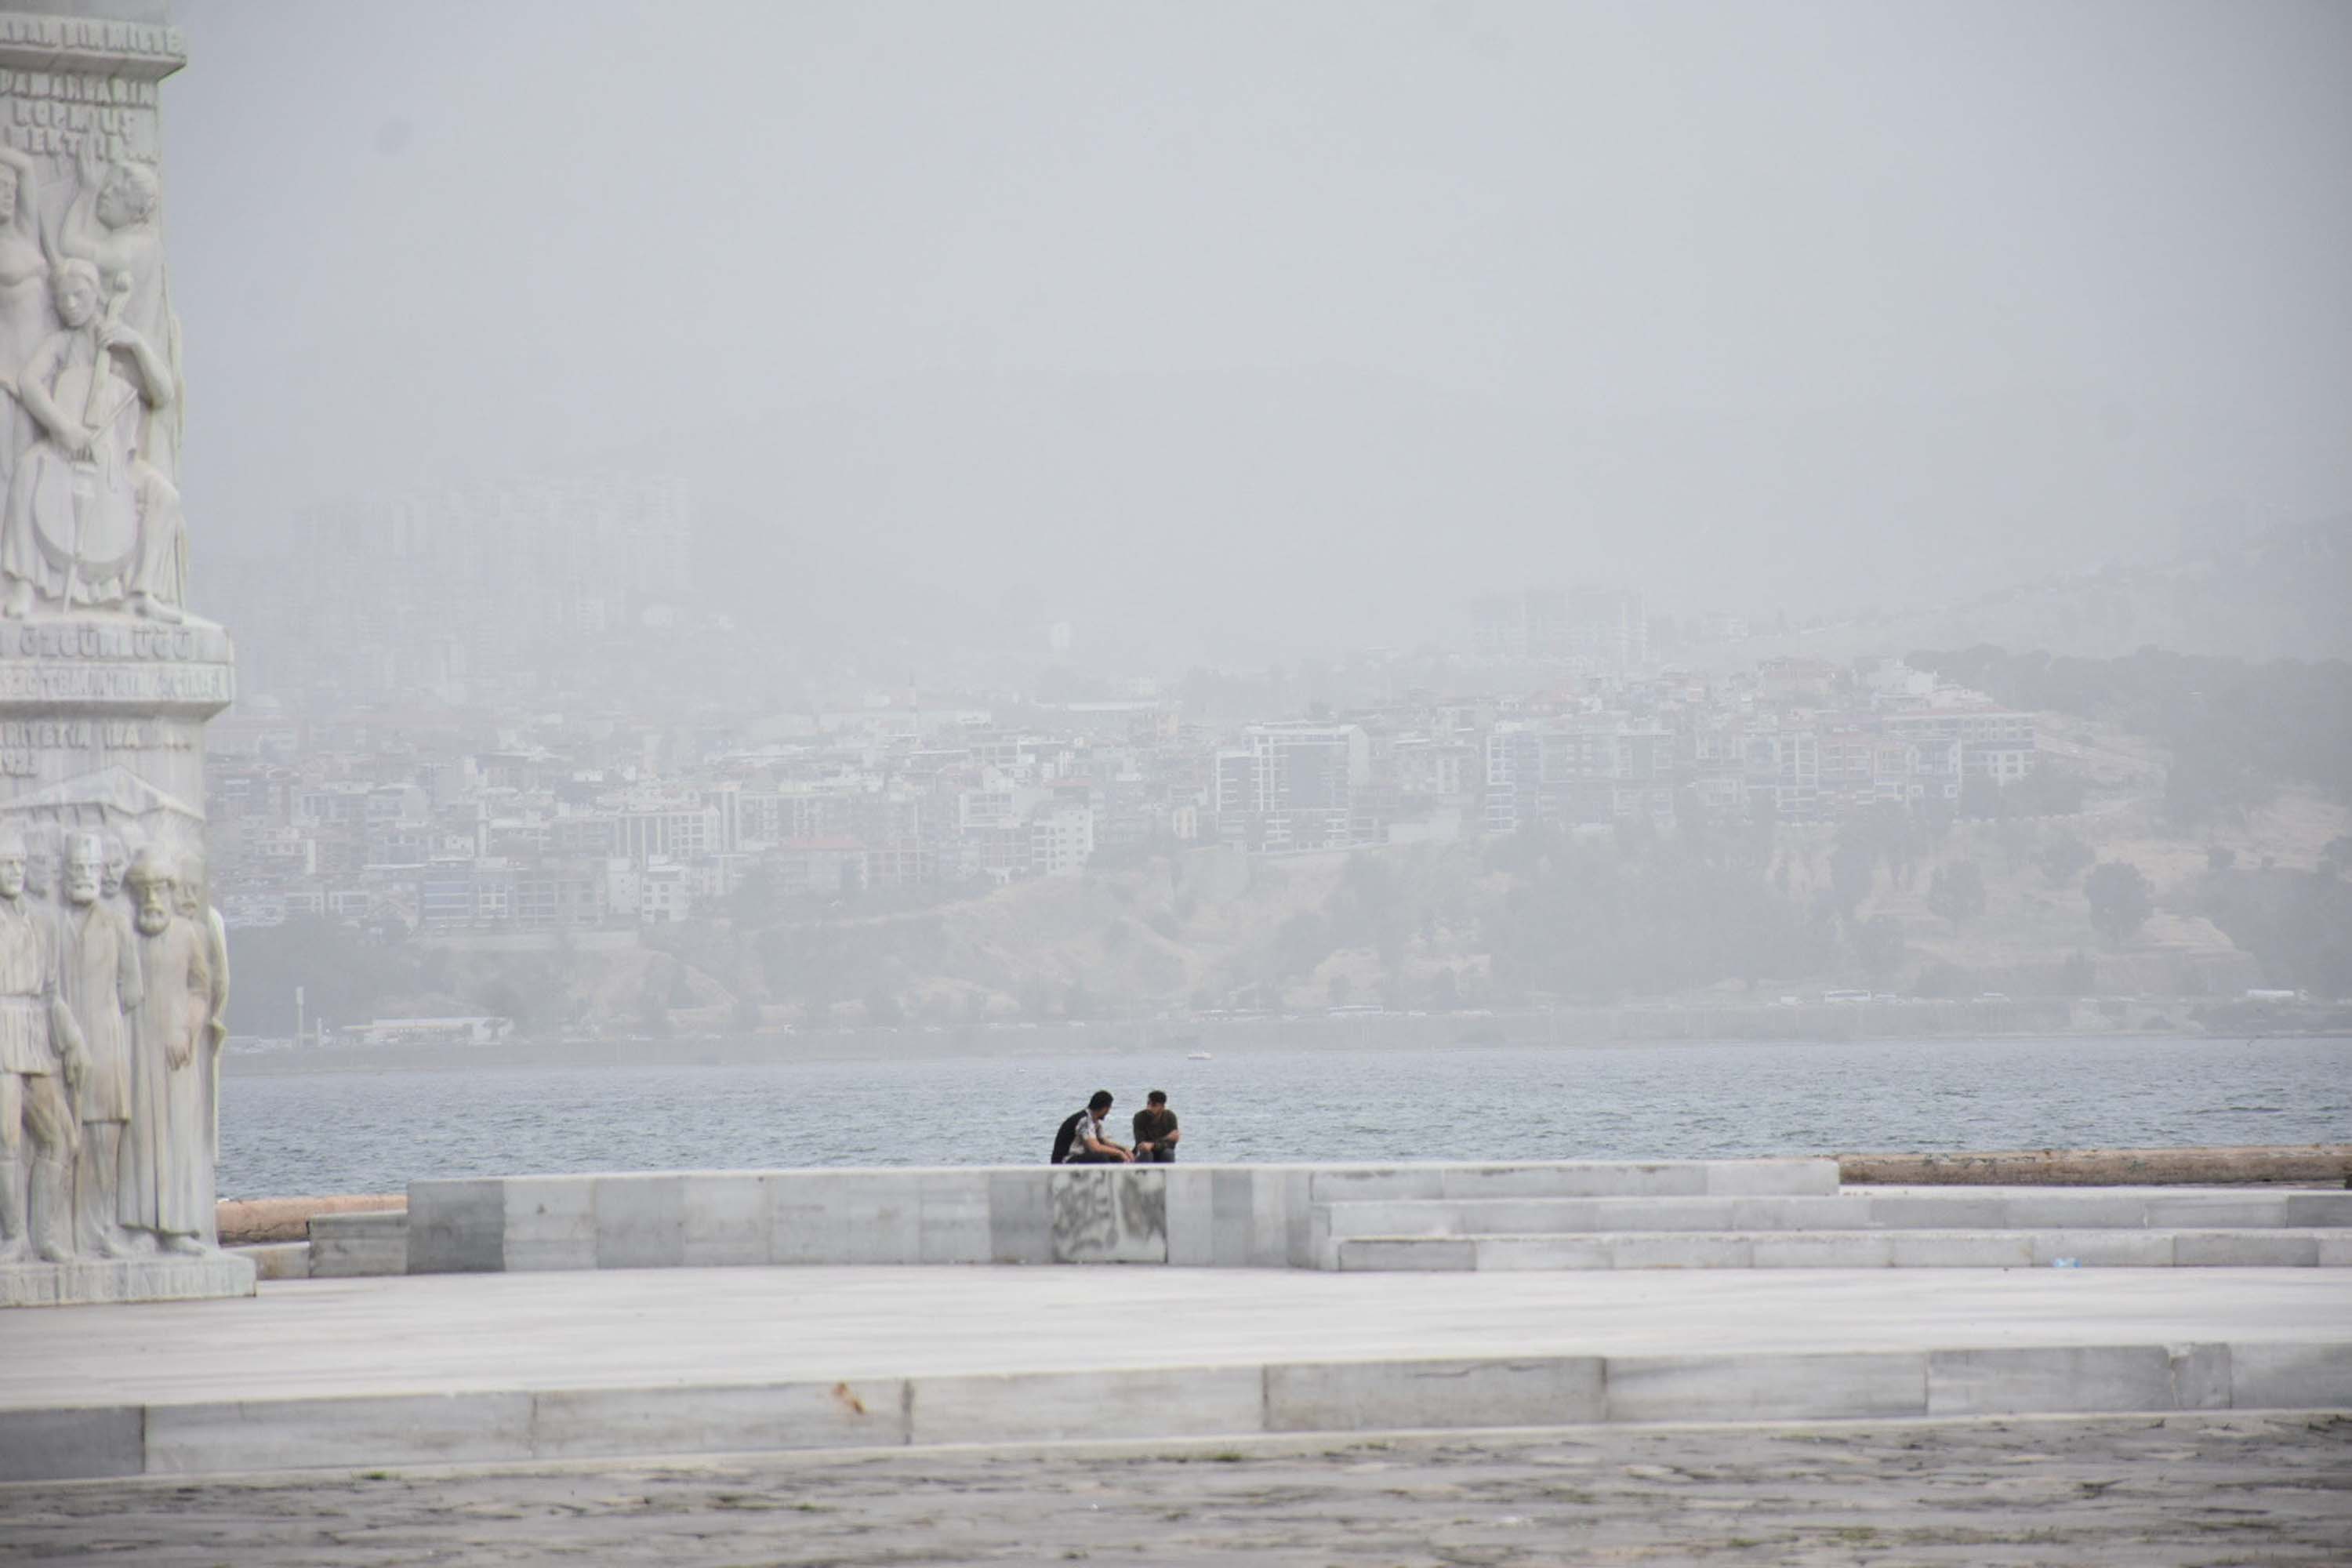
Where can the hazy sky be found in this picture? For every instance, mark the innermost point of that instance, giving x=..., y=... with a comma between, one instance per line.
x=1291, y=321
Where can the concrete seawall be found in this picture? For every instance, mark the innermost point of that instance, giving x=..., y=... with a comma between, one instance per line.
x=254, y=1221
x=1238, y=1217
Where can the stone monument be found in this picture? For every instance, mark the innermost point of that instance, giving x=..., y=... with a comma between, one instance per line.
x=114, y=972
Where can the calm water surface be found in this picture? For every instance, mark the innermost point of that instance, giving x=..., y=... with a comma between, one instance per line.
x=373, y=1131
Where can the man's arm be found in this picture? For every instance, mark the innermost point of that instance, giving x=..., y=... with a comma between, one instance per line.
x=130, y=986
x=1097, y=1146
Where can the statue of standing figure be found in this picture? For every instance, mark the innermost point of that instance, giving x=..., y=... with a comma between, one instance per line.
x=166, y=1163
x=98, y=973
x=42, y=1067
x=25, y=317
x=197, y=912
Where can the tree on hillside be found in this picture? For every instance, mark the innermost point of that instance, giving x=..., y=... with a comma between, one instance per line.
x=2299, y=924
x=1878, y=946
x=2062, y=858
x=2120, y=899
x=2048, y=791
x=1603, y=920
x=1956, y=892
x=2204, y=787
x=2078, y=977
x=1300, y=945
x=1853, y=868
x=1444, y=991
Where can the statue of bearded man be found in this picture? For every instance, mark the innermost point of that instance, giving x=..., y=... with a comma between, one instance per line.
x=166, y=1167
x=97, y=965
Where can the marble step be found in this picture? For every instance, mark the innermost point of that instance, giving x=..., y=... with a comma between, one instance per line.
x=520, y=1424
x=2108, y=1247
x=1956, y=1208
x=358, y=1245
x=1578, y=1179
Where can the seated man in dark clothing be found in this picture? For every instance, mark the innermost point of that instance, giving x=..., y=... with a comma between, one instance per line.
x=1155, y=1130
x=1079, y=1140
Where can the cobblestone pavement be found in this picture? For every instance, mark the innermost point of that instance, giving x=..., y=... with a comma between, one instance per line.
x=2135, y=1492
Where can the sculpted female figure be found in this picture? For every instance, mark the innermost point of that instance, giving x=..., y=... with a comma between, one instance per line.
x=24, y=318
x=88, y=519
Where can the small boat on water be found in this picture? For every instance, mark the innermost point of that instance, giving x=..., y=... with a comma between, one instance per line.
x=1200, y=1056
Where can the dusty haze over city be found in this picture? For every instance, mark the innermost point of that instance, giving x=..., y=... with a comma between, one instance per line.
x=1237, y=330
x=784, y=520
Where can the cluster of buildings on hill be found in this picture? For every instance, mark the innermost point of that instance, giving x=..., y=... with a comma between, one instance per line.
x=445, y=819
x=520, y=722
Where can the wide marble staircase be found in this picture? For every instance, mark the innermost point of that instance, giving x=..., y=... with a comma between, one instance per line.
x=1792, y=1214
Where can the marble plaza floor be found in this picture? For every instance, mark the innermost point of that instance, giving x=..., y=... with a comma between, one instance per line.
x=645, y=1327
x=503, y=1367
x=675, y=1362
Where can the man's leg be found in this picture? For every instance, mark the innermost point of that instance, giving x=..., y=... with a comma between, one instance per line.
x=48, y=1117
x=14, y=1243
x=98, y=1233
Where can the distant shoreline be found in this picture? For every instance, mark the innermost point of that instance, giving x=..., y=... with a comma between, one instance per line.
x=1062, y=1041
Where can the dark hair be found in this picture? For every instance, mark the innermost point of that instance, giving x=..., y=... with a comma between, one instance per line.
x=1157, y=1097
x=1102, y=1101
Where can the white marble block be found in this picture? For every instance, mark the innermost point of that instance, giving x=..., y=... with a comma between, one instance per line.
x=1110, y=1213
x=550, y=1223
x=1359, y=1397
x=725, y=1219
x=91, y=1281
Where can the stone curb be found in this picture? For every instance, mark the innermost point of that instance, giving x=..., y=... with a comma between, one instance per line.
x=1905, y=1248
x=1294, y=1397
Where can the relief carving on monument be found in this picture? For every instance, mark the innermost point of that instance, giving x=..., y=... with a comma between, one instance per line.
x=42, y=1068
x=90, y=390
x=111, y=1033
x=113, y=970
x=90, y=521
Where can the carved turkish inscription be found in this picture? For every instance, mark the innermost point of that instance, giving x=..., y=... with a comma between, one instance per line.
x=98, y=639
x=194, y=683
x=22, y=744
x=50, y=114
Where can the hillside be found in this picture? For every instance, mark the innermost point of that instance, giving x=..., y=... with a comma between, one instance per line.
x=2280, y=595
x=2223, y=879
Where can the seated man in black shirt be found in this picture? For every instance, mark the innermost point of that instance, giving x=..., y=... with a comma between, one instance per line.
x=1081, y=1140
x=1155, y=1130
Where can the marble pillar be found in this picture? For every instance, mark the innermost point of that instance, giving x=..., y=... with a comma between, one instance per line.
x=107, y=675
